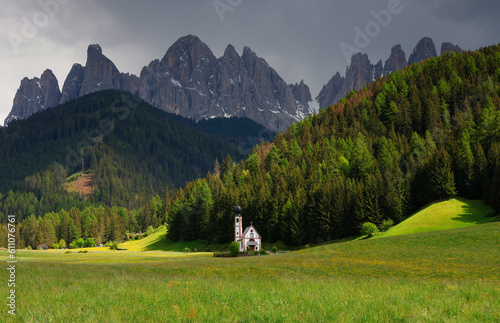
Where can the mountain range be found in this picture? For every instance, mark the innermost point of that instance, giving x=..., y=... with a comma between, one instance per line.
x=362, y=72
x=191, y=82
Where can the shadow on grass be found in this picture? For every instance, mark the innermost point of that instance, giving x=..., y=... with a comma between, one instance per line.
x=163, y=244
x=474, y=212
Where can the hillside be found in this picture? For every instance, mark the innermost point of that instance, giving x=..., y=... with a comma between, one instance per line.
x=451, y=214
x=157, y=241
x=133, y=149
x=82, y=184
x=428, y=132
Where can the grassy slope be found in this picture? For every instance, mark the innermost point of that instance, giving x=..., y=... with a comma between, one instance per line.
x=450, y=214
x=157, y=241
x=440, y=276
x=83, y=184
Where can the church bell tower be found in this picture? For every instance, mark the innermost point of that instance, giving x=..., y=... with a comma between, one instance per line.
x=238, y=225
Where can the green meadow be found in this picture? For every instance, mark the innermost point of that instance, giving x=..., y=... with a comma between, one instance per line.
x=439, y=276
x=450, y=214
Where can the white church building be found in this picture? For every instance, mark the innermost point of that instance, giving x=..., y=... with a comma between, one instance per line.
x=248, y=239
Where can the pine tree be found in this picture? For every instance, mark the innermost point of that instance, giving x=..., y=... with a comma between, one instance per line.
x=442, y=177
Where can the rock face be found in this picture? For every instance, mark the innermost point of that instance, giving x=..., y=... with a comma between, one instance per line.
x=301, y=92
x=73, y=83
x=35, y=95
x=396, y=61
x=190, y=81
x=100, y=72
x=358, y=73
x=449, y=47
x=425, y=49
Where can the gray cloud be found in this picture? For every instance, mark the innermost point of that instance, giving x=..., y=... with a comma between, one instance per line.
x=300, y=39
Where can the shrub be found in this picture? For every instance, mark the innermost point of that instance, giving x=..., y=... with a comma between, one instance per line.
x=89, y=243
x=274, y=249
x=72, y=245
x=55, y=246
x=256, y=252
x=62, y=244
x=149, y=231
x=80, y=243
x=195, y=250
x=368, y=229
x=386, y=225
x=29, y=248
x=234, y=248
x=114, y=245
x=187, y=250
x=262, y=252
x=68, y=251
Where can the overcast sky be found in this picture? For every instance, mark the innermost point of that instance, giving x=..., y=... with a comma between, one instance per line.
x=301, y=39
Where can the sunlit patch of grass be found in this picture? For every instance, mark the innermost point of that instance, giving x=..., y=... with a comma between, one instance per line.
x=451, y=214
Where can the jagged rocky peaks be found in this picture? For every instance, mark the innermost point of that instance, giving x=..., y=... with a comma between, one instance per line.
x=190, y=81
x=73, y=84
x=100, y=72
x=396, y=61
x=361, y=72
x=358, y=74
x=425, y=49
x=35, y=95
x=301, y=91
x=449, y=47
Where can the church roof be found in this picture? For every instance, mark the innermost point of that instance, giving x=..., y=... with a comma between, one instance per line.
x=248, y=229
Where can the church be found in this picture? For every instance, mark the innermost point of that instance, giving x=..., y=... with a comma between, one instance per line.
x=248, y=239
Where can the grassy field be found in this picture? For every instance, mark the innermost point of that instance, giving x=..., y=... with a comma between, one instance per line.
x=445, y=276
x=451, y=214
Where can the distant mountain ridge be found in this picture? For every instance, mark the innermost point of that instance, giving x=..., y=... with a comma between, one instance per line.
x=361, y=72
x=189, y=81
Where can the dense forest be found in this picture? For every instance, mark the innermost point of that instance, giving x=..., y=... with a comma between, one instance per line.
x=425, y=133
x=134, y=150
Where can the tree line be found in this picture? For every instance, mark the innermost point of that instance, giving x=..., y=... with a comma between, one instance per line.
x=101, y=224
